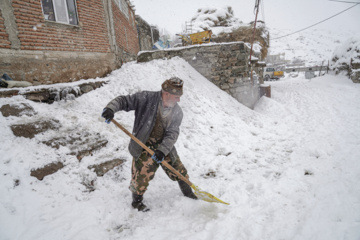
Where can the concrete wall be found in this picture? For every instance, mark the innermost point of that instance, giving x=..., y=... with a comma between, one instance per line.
x=44, y=52
x=49, y=67
x=226, y=65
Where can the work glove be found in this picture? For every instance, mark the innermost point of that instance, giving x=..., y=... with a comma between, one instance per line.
x=158, y=156
x=108, y=114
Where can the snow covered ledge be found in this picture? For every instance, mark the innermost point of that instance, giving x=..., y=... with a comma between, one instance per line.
x=53, y=92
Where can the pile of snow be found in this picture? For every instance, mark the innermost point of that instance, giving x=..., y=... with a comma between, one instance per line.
x=289, y=169
x=217, y=20
x=346, y=59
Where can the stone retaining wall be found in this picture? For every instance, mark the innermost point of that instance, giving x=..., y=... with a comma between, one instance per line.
x=224, y=64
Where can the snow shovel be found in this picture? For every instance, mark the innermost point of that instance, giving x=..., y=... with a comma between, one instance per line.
x=200, y=194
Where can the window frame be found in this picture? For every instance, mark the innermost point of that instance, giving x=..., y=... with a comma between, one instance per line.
x=56, y=12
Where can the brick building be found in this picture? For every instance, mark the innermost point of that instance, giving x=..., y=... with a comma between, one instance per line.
x=48, y=41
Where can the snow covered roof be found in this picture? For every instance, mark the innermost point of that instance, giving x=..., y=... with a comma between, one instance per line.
x=215, y=19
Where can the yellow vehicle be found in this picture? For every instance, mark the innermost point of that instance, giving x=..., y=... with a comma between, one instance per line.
x=196, y=38
x=201, y=37
x=271, y=74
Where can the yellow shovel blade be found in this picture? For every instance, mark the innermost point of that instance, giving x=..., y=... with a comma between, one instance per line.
x=206, y=196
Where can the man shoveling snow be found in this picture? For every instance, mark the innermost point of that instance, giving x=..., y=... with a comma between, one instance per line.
x=157, y=121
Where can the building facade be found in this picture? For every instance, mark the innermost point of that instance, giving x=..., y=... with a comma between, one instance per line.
x=148, y=34
x=48, y=41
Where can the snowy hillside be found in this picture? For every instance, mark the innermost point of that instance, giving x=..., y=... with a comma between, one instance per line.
x=313, y=46
x=289, y=168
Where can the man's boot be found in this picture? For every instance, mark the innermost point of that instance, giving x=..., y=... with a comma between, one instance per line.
x=186, y=190
x=137, y=203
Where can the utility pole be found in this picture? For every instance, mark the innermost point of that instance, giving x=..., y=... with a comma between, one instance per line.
x=257, y=6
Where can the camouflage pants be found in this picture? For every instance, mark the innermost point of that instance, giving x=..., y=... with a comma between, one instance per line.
x=143, y=171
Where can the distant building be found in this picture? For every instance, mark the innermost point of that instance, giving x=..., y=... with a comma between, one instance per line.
x=48, y=41
x=148, y=34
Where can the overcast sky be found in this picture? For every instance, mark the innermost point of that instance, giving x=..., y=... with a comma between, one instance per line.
x=283, y=14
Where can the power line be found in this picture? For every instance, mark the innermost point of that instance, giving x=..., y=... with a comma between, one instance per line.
x=316, y=23
x=343, y=1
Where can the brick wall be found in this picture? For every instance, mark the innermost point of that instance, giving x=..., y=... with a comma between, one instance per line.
x=35, y=33
x=4, y=37
x=91, y=35
x=45, y=52
x=126, y=33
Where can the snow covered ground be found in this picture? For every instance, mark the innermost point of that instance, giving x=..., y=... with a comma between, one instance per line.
x=289, y=169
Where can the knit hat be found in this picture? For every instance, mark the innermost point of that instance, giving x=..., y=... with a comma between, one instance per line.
x=173, y=85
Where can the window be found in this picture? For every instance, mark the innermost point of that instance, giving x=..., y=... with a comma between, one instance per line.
x=123, y=7
x=62, y=11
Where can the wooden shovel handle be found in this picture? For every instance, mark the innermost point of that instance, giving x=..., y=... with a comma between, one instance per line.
x=151, y=152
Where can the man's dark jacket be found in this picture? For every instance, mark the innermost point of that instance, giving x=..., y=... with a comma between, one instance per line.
x=145, y=104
